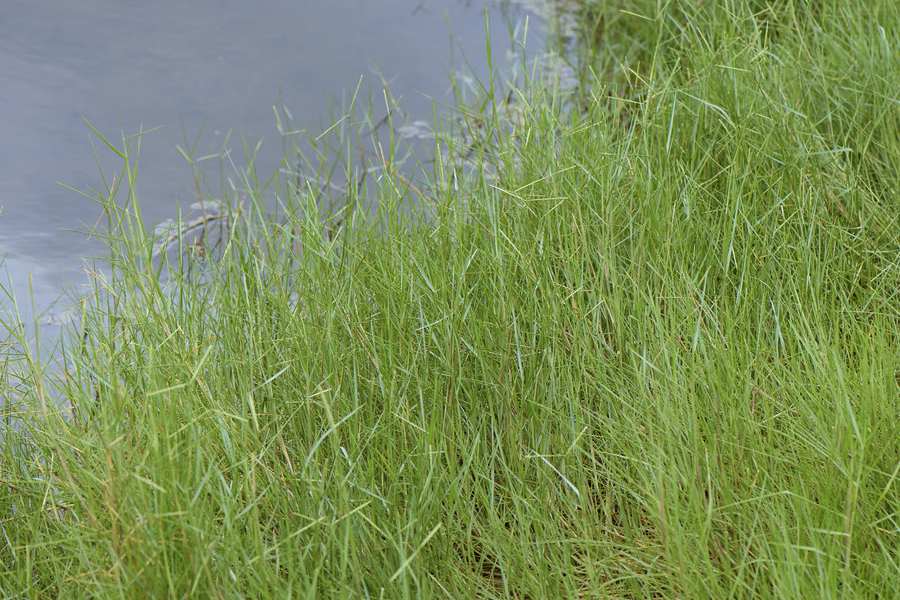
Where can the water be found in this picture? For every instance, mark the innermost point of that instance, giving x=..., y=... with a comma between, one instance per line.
x=207, y=65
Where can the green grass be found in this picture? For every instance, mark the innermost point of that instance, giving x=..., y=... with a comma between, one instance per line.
x=637, y=341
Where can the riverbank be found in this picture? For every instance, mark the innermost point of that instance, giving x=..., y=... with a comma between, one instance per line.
x=639, y=340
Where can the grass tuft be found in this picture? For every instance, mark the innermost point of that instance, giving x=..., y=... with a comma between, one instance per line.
x=636, y=339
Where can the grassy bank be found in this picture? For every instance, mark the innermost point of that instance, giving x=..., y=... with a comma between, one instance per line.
x=637, y=341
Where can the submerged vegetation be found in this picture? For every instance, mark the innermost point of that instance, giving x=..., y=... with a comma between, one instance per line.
x=636, y=339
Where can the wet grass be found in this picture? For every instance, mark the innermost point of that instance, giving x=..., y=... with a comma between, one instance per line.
x=639, y=342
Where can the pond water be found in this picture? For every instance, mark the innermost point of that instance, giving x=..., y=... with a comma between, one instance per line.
x=202, y=67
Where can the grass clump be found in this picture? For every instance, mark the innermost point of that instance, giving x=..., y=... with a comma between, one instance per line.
x=647, y=348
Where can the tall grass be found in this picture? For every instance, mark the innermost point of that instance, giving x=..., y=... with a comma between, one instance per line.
x=637, y=342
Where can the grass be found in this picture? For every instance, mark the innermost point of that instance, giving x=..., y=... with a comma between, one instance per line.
x=636, y=340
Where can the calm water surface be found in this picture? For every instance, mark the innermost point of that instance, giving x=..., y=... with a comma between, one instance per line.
x=210, y=65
